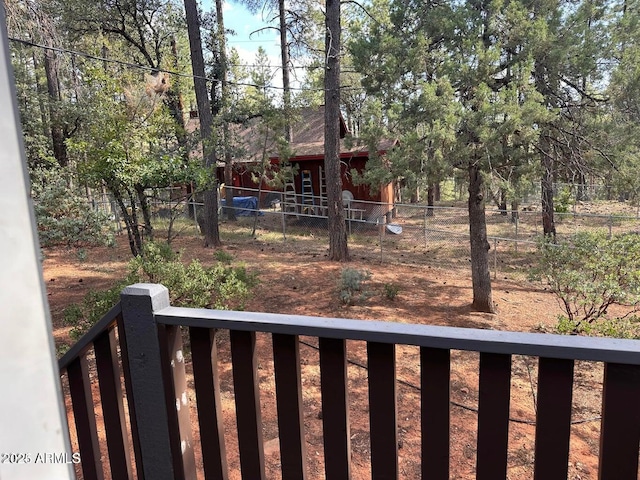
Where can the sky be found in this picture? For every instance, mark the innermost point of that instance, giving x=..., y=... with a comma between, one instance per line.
x=244, y=23
x=245, y=41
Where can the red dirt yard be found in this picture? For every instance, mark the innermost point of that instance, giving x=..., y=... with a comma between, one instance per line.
x=305, y=283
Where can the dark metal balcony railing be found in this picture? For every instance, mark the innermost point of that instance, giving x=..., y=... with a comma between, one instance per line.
x=159, y=433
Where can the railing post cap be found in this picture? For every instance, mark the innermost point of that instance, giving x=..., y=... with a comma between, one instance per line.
x=158, y=293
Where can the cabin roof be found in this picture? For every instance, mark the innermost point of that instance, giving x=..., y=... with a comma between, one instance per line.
x=307, y=139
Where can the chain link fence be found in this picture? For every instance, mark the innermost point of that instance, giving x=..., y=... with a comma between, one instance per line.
x=389, y=233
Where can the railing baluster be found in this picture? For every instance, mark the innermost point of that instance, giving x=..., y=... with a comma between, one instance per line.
x=435, y=385
x=84, y=414
x=493, y=416
x=383, y=415
x=105, y=348
x=247, y=394
x=335, y=408
x=286, y=363
x=620, y=430
x=176, y=396
x=204, y=353
x=553, y=418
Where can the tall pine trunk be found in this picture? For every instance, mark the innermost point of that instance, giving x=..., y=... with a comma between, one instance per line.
x=210, y=162
x=224, y=73
x=175, y=104
x=546, y=183
x=547, y=81
x=338, y=250
x=503, y=202
x=228, y=191
x=286, y=83
x=146, y=211
x=431, y=195
x=42, y=94
x=480, y=274
x=58, y=136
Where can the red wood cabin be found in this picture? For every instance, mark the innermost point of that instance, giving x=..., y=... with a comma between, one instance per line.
x=307, y=146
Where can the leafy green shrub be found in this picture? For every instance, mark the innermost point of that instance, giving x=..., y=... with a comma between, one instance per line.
x=617, y=327
x=61, y=349
x=563, y=201
x=152, y=264
x=220, y=286
x=391, y=290
x=590, y=273
x=223, y=257
x=64, y=217
x=193, y=285
x=81, y=255
x=95, y=304
x=352, y=285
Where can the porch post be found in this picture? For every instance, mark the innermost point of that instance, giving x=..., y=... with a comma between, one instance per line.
x=32, y=412
x=153, y=392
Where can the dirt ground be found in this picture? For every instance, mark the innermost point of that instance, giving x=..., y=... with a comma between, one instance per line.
x=305, y=283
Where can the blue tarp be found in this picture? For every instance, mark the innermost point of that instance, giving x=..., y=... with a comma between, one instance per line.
x=244, y=206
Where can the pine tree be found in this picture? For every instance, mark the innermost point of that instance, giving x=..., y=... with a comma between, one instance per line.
x=210, y=161
x=338, y=249
x=452, y=82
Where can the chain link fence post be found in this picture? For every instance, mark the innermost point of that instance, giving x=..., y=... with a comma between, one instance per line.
x=284, y=219
x=425, y=226
x=380, y=233
x=194, y=208
x=495, y=258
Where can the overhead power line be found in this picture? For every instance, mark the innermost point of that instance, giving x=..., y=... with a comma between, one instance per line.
x=169, y=72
